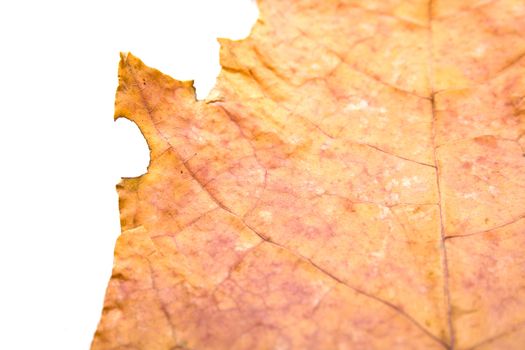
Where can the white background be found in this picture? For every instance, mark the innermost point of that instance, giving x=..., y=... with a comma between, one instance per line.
x=62, y=154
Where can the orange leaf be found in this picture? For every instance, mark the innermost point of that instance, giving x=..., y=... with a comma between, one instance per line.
x=355, y=180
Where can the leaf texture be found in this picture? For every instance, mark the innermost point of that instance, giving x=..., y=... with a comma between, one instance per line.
x=355, y=180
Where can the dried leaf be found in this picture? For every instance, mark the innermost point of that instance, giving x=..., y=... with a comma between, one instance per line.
x=355, y=180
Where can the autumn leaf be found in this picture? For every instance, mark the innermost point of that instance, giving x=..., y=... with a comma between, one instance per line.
x=355, y=180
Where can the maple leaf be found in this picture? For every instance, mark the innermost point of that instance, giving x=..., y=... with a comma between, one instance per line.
x=355, y=180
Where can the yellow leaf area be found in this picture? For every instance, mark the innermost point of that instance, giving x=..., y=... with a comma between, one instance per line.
x=355, y=180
